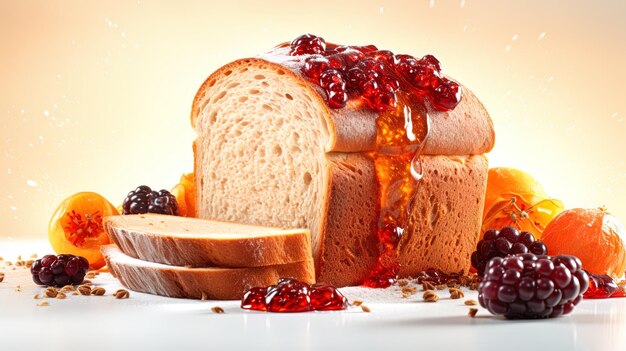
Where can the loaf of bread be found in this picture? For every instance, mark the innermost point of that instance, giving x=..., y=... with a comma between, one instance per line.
x=181, y=241
x=270, y=151
x=197, y=283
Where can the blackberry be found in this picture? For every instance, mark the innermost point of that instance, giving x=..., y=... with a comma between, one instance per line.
x=59, y=270
x=532, y=286
x=145, y=200
x=506, y=241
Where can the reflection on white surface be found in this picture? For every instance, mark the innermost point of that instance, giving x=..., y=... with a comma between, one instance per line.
x=146, y=322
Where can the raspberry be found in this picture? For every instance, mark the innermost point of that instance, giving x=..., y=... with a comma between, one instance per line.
x=290, y=295
x=59, y=270
x=532, y=286
x=446, y=95
x=507, y=241
x=145, y=200
x=314, y=65
x=307, y=44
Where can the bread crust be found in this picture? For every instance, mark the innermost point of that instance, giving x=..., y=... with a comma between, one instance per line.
x=139, y=236
x=196, y=283
x=466, y=130
x=444, y=223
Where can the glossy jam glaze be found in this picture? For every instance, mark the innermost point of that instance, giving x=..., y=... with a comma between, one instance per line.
x=290, y=295
x=601, y=286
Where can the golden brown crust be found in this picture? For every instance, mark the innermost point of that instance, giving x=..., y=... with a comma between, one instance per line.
x=185, y=249
x=466, y=130
x=212, y=283
x=349, y=245
x=444, y=226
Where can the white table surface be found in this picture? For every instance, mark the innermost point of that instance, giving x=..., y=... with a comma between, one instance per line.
x=146, y=322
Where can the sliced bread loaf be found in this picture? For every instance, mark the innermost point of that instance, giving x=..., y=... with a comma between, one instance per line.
x=196, y=283
x=271, y=152
x=181, y=241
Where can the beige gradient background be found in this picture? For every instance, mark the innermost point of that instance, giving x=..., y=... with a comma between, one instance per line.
x=96, y=95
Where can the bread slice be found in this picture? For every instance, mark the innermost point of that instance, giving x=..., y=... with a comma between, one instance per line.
x=181, y=241
x=269, y=151
x=196, y=283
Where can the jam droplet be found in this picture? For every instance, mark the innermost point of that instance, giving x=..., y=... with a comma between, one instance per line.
x=602, y=286
x=290, y=295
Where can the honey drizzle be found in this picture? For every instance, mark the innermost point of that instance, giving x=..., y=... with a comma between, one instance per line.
x=401, y=135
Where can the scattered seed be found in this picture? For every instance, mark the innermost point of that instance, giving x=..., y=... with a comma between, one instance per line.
x=43, y=303
x=98, y=291
x=29, y=263
x=90, y=275
x=33, y=255
x=357, y=302
x=472, y=312
x=430, y=296
x=470, y=302
x=61, y=296
x=84, y=290
x=19, y=258
x=405, y=295
x=428, y=286
x=403, y=282
x=1, y=277
x=456, y=293
x=51, y=292
x=75, y=293
x=204, y=297
x=452, y=283
x=217, y=309
x=365, y=309
x=67, y=288
x=87, y=282
x=441, y=286
x=36, y=297
x=18, y=289
x=409, y=290
x=121, y=294
x=473, y=286
x=19, y=263
x=1, y=258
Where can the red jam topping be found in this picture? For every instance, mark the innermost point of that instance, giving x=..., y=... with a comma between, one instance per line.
x=290, y=295
x=374, y=75
x=401, y=89
x=602, y=286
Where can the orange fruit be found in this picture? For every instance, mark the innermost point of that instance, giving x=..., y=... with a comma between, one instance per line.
x=593, y=235
x=185, y=195
x=514, y=198
x=179, y=193
x=76, y=227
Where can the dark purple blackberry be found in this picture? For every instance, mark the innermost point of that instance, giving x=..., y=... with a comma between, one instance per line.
x=532, y=286
x=59, y=270
x=506, y=241
x=145, y=200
